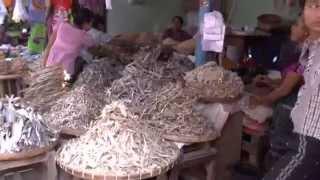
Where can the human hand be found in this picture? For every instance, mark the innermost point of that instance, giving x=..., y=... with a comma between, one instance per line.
x=259, y=100
x=262, y=80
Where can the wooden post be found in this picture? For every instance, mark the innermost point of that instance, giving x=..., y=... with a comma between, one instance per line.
x=205, y=6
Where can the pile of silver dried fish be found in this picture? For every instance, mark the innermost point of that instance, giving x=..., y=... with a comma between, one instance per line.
x=212, y=81
x=45, y=87
x=81, y=105
x=146, y=75
x=118, y=146
x=172, y=112
x=100, y=73
x=77, y=108
x=121, y=52
x=22, y=129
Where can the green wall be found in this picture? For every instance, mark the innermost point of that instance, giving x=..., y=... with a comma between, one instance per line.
x=246, y=11
x=152, y=16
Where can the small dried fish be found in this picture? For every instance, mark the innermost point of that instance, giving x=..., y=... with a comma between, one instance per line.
x=80, y=106
x=122, y=52
x=77, y=108
x=100, y=73
x=146, y=75
x=22, y=129
x=172, y=112
x=150, y=86
x=118, y=145
x=45, y=86
x=212, y=81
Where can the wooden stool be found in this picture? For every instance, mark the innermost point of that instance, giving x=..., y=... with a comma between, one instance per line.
x=11, y=85
x=205, y=155
x=41, y=167
x=254, y=148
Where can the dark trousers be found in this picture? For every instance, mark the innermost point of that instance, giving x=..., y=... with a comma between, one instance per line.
x=300, y=162
x=282, y=126
x=79, y=66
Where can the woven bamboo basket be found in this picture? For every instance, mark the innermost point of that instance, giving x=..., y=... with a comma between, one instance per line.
x=89, y=174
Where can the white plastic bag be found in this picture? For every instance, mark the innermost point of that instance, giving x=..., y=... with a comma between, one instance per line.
x=259, y=113
x=213, y=32
x=3, y=12
x=108, y=5
x=19, y=12
x=217, y=113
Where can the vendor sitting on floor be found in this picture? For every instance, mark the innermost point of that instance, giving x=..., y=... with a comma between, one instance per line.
x=175, y=33
x=285, y=91
x=68, y=40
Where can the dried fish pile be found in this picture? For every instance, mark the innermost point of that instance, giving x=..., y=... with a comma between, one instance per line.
x=212, y=81
x=100, y=73
x=150, y=86
x=147, y=75
x=80, y=106
x=172, y=112
x=117, y=146
x=45, y=86
x=123, y=52
x=22, y=129
x=77, y=108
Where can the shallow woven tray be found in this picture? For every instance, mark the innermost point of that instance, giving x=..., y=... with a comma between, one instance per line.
x=26, y=154
x=96, y=176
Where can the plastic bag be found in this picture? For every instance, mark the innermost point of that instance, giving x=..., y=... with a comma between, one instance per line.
x=108, y=4
x=3, y=12
x=259, y=113
x=19, y=12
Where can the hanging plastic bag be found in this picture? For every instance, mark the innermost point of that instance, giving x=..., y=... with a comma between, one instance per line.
x=213, y=32
x=3, y=12
x=108, y=5
x=19, y=12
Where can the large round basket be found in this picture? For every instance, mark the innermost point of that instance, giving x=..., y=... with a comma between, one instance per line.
x=87, y=174
x=26, y=154
x=190, y=138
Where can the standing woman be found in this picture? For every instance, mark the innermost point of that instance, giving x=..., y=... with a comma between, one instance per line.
x=67, y=41
x=37, y=14
x=302, y=161
x=58, y=11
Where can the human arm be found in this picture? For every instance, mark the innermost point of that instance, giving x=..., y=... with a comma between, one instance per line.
x=48, y=48
x=265, y=80
x=289, y=83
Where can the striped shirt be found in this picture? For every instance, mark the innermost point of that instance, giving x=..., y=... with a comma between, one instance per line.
x=306, y=113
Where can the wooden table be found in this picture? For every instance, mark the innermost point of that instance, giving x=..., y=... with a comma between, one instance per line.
x=41, y=167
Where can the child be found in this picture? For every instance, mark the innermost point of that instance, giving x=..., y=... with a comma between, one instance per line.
x=302, y=160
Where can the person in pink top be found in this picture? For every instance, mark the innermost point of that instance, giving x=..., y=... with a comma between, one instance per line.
x=68, y=40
